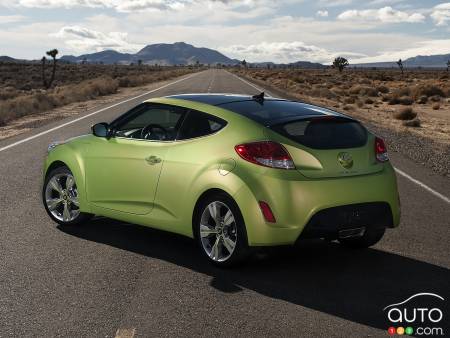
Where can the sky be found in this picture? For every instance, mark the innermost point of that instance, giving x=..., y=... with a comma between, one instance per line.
x=255, y=30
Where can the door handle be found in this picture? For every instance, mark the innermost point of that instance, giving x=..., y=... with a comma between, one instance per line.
x=152, y=159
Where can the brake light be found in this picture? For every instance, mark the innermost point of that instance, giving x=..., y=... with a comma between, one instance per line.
x=381, y=150
x=266, y=153
x=267, y=212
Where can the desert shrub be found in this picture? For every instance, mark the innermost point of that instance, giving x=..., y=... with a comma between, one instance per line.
x=435, y=98
x=350, y=100
x=423, y=99
x=368, y=100
x=348, y=107
x=8, y=93
x=359, y=103
x=427, y=90
x=362, y=90
x=436, y=106
x=406, y=100
x=412, y=123
x=383, y=89
x=403, y=91
x=393, y=100
x=405, y=114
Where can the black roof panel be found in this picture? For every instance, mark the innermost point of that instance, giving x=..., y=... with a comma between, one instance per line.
x=268, y=112
x=213, y=99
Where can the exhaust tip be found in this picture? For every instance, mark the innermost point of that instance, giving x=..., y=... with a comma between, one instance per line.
x=349, y=233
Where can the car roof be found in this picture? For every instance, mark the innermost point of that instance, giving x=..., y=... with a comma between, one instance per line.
x=269, y=111
x=212, y=99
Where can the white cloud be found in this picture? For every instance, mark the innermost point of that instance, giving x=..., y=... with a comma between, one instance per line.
x=335, y=3
x=81, y=39
x=241, y=8
x=284, y=52
x=4, y=19
x=322, y=14
x=386, y=15
x=441, y=14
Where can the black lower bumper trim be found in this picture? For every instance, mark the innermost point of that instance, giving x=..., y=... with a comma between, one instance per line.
x=332, y=222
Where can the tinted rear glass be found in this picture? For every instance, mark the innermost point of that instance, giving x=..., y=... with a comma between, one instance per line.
x=272, y=110
x=324, y=133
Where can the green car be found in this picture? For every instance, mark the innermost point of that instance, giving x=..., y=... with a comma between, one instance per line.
x=231, y=171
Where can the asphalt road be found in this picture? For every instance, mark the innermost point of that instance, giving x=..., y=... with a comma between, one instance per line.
x=91, y=281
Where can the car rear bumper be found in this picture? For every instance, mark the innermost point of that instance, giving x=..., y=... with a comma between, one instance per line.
x=319, y=208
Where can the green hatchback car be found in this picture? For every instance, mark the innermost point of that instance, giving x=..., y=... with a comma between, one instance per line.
x=231, y=171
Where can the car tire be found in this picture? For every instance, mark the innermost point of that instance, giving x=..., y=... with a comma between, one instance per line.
x=222, y=237
x=371, y=237
x=60, y=197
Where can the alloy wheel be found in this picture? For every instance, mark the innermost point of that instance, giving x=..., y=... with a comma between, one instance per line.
x=218, y=231
x=61, y=197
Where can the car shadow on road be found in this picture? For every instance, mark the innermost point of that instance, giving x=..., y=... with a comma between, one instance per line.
x=353, y=285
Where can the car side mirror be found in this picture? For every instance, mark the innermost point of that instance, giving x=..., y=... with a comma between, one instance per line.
x=101, y=130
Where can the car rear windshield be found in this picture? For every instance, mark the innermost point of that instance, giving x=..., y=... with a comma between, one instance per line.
x=268, y=111
x=319, y=133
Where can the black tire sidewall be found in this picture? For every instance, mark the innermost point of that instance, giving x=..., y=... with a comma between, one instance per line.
x=241, y=250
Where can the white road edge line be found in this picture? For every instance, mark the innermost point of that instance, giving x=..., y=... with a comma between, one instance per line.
x=402, y=173
x=423, y=185
x=252, y=85
x=93, y=113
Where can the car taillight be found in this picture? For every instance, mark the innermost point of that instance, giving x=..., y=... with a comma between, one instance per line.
x=266, y=153
x=381, y=150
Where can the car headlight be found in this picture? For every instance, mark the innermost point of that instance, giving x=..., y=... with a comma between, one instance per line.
x=53, y=145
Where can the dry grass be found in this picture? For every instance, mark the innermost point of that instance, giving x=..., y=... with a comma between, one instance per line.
x=28, y=98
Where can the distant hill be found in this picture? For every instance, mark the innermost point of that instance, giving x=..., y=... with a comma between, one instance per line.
x=425, y=61
x=4, y=58
x=298, y=64
x=161, y=53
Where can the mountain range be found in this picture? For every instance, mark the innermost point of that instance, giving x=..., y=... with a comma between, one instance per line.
x=425, y=61
x=181, y=53
x=162, y=54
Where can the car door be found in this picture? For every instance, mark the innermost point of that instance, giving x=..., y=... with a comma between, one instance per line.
x=123, y=171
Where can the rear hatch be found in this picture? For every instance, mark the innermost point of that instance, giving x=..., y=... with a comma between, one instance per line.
x=327, y=146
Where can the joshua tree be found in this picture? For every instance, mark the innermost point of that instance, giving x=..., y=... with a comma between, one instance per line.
x=52, y=53
x=139, y=62
x=400, y=65
x=448, y=65
x=244, y=63
x=340, y=63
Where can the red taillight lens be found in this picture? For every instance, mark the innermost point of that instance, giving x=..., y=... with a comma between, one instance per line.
x=381, y=150
x=266, y=153
x=267, y=212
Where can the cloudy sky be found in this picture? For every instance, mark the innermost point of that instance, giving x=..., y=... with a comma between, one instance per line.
x=257, y=30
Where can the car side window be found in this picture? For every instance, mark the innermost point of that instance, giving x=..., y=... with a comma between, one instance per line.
x=197, y=124
x=150, y=122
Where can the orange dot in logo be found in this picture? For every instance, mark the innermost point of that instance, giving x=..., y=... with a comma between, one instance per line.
x=391, y=331
x=400, y=330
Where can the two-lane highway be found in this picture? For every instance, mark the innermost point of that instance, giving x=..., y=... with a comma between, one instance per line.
x=92, y=280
